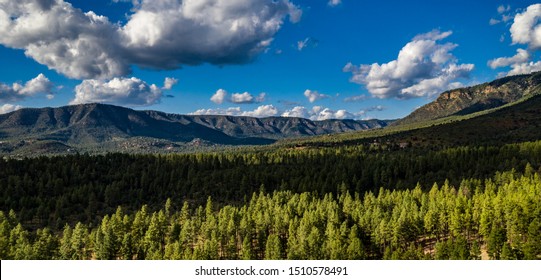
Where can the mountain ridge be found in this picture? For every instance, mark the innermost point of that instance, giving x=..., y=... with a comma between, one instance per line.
x=115, y=128
x=468, y=100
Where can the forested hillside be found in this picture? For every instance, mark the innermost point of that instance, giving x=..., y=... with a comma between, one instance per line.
x=54, y=190
x=361, y=201
x=498, y=218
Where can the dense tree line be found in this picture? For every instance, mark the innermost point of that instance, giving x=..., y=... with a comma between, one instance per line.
x=498, y=217
x=53, y=191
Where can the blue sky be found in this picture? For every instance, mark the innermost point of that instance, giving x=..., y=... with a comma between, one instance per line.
x=307, y=58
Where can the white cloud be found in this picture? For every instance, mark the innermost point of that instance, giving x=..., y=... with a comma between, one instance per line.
x=432, y=86
x=424, y=67
x=297, y=112
x=521, y=57
x=328, y=114
x=158, y=34
x=493, y=21
x=502, y=9
x=316, y=113
x=247, y=98
x=502, y=13
x=240, y=98
x=121, y=91
x=17, y=92
x=334, y=3
x=434, y=35
x=314, y=95
x=307, y=42
x=219, y=96
x=526, y=30
x=169, y=83
x=524, y=68
x=260, y=112
x=134, y=2
x=232, y=111
x=54, y=33
x=6, y=108
x=302, y=44
x=506, y=18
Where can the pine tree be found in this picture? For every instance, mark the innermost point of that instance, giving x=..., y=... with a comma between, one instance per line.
x=246, y=252
x=21, y=248
x=273, y=249
x=532, y=248
x=79, y=242
x=355, y=250
x=5, y=229
x=496, y=240
x=45, y=246
x=66, y=250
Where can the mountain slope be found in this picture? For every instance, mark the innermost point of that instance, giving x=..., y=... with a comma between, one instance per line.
x=469, y=100
x=99, y=127
x=513, y=123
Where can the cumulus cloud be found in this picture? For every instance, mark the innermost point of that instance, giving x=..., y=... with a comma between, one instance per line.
x=169, y=83
x=316, y=113
x=521, y=57
x=121, y=91
x=247, y=98
x=297, y=112
x=526, y=30
x=524, y=68
x=18, y=92
x=54, y=33
x=424, y=67
x=160, y=35
x=232, y=111
x=6, y=108
x=219, y=96
x=314, y=95
x=328, y=114
x=260, y=112
x=222, y=95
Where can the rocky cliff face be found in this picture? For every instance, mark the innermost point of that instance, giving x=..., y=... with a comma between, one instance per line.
x=469, y=100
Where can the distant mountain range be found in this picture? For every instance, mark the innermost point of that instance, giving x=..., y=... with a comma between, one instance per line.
x=99, y=128
x=502, y=111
